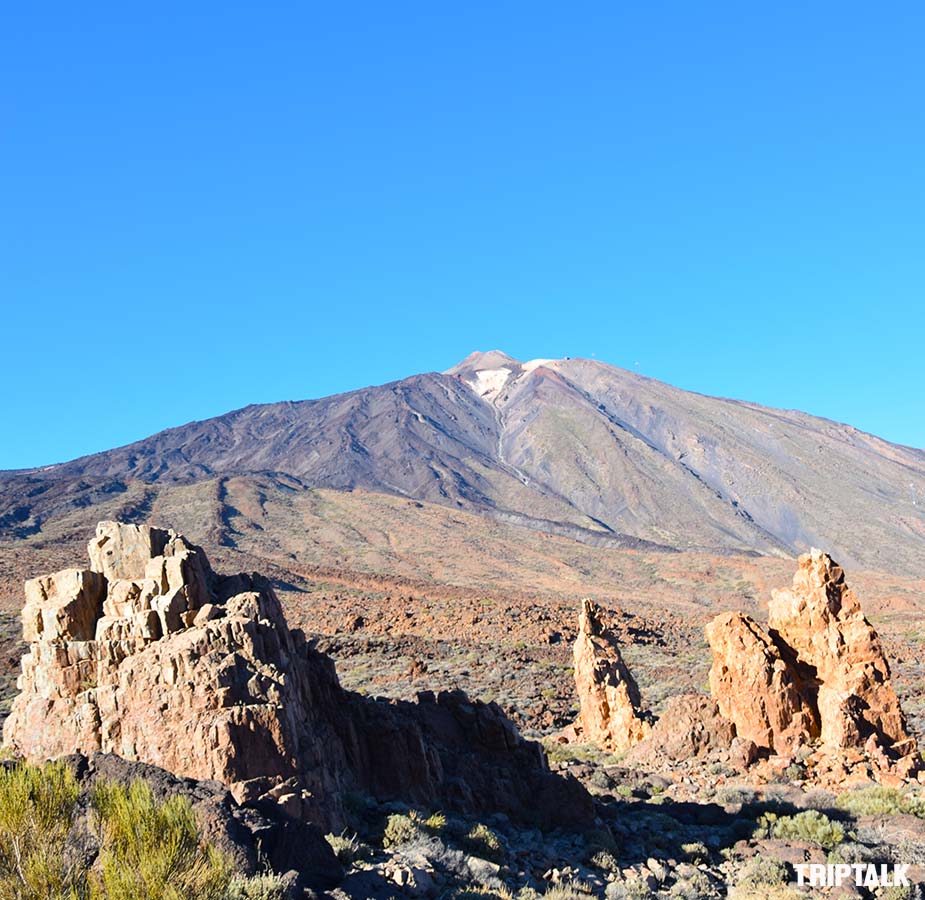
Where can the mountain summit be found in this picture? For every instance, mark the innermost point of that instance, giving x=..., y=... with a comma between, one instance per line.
x=569, y=446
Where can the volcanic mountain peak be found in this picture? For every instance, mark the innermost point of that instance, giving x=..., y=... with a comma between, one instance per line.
x=566, y=446
x=489, y=373
x=482, y=359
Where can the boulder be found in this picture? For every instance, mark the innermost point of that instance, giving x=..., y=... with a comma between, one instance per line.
x=123, y=551
x=65, y=605
x=691, y=727
x=611, y=715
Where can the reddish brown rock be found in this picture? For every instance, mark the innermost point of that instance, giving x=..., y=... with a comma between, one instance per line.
x=64, y=605
x=820, y=618
x=123, y=551
x=817, y=675
x=755, y=687
x=691, y=726
x=610, y=714
x=161, y=661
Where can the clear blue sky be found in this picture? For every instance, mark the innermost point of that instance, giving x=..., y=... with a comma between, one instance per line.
x=201, y=209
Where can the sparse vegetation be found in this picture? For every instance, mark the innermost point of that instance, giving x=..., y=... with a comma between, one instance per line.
x=810, y=825
x=152, y=849
x=573, y=890
x=631, y=889
x=401, y=828
x=347, y=848
x=259, y=887
x=484, y=841
x=558, y=753
x=876, y=800
x=761, y=878
x=695, y=852
x=695, y=886
x=482, y=892
x=735, y=794
x=36, y=809
x=605, y=861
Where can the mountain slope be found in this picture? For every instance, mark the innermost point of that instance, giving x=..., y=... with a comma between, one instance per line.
x=572, y=446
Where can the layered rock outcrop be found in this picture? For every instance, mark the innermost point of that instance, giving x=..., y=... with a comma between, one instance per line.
x=818, y=674
x=152, y=656
x=611, y=715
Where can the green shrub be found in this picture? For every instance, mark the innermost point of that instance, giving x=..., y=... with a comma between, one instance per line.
x=401, y=828
x=695, y=886
x=484, y=841
x=631, y=889
x=763, y=878
x=762, y=871
x=605, y=861
x=152, y=849
x=573, y=890
x=347, y=849
x=434, y=823
x=260, y=887
x=696, y=852
x=735, y=794
x=147, y=849
x=777, y=892
x=36, y=810
x=876, y=800
x=898, y=892
x=809, y=825
x=482, y=892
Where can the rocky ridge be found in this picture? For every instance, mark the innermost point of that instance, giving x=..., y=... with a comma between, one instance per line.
x=152, y=656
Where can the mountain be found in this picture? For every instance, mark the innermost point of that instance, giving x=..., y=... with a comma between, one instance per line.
x=572, y=447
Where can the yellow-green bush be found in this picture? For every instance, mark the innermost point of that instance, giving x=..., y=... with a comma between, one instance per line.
x=809, y=825
x=152, y=849
x=484, y=841
x=147, y=849
x=259, y=887
x=403, y=829
x=36, y=809
x=348, y=848
x=876, y=800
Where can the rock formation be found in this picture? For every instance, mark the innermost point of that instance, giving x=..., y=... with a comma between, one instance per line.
x=610, y=704
x=820, y=619
x=818, y=673
x=152, y=656
x=755, y=686
x=691, y=727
